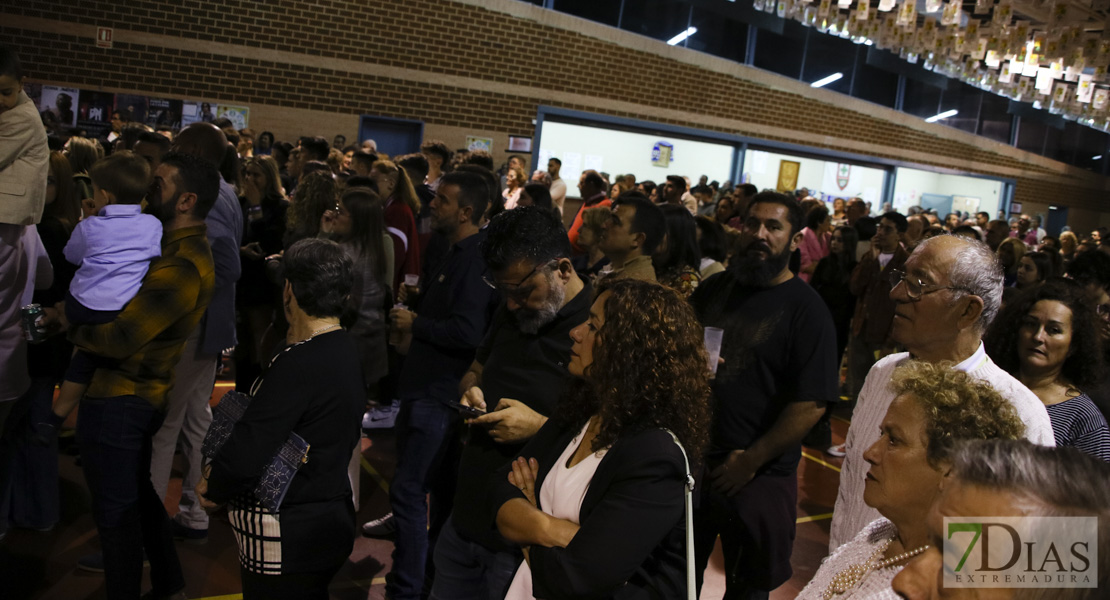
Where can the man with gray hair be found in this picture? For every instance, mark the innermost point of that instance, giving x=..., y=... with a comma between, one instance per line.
x=1011, y=478
x=945, y=297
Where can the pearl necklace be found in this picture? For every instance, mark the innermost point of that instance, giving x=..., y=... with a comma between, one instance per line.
x=853, y=575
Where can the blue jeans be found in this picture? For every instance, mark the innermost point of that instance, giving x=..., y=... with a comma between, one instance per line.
x=115, y=435
x=467, y=570
x=423, y=428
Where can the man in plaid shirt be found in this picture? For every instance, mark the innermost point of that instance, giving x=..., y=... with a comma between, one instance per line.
x=123, y=408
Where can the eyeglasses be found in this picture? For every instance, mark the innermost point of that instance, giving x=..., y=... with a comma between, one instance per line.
x=915, y=288
x=514, y=290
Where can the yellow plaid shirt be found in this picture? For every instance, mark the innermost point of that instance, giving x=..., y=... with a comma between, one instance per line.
x=148, y=336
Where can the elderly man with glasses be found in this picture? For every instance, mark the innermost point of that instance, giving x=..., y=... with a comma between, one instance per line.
x=945, y=297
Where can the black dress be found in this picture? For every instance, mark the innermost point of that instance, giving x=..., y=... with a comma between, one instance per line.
x=315, y=389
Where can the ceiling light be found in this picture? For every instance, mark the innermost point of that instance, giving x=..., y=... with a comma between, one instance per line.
x=827, y=80
x=678, y=39
x=1099, y=157
x=943, y=115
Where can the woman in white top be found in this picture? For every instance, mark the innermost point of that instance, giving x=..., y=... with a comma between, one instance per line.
x=935, y=407
x=596, y=498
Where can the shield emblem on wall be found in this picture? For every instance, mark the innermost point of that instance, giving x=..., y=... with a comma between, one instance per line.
x=843, y=173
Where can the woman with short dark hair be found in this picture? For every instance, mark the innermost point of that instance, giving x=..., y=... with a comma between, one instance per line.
x=312, y=388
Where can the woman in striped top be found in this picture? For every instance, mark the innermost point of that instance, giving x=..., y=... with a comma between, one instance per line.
x=1048, y=339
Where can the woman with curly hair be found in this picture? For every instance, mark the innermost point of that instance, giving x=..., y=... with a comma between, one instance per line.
x=1048, y=338
x=935, y=407
x=317, y=194
x=597, y=497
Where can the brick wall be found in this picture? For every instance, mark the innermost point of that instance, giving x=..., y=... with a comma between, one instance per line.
x=477, y=67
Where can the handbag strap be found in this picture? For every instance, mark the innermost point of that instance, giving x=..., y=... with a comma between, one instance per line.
x=691, y=586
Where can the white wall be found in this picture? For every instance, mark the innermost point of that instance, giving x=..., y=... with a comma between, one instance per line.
x=818, y=176
x=910, y=184
x=621, y=152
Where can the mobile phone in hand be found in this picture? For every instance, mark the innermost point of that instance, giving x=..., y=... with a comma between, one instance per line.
x=468, y=411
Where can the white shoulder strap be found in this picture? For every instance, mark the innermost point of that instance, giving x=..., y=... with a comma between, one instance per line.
x=691, y=586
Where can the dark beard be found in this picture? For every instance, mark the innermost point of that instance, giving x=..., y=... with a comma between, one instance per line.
x=751, y=270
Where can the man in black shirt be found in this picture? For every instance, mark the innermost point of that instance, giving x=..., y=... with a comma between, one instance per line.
x=454, y=312
x=518, y=375
x=779, y=369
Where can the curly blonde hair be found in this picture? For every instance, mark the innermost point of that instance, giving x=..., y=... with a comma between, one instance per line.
x=957, y=407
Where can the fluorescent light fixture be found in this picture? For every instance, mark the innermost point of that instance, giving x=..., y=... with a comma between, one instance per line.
x=943, y=115
x=1099, y=157
x=827, y=80
x=678, y=39
x=1052, y=208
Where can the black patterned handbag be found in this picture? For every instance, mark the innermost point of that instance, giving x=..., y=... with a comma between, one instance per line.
x=275, y=479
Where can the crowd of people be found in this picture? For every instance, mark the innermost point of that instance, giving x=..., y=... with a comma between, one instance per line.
x=549, y=386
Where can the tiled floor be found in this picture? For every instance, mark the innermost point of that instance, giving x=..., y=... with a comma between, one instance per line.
x=42, y=565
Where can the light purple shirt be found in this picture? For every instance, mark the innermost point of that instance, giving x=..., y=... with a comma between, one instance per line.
x=113, y=251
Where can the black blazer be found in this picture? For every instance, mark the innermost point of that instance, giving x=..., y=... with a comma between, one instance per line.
x=632, y=538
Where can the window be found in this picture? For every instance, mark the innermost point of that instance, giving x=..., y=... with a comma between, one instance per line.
x=994, y=120
x=718, y=35
x=659, y=19
x=964, y=99
x=827, y=55
x=921, y=99
x=781, y=54
x=1031, y=135
x=872, y=83
x=607, y=12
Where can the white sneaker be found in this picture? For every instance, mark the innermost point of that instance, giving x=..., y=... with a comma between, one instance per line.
x=381, y=417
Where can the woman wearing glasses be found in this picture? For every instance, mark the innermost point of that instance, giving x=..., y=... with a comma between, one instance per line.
x=1048, y=338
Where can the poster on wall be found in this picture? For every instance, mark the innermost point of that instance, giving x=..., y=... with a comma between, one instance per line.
x=135, y=105
x=546, y=155
x=788, y=175
x=198, y=112
x=58, y=105
x=238, y=115
x=843, y=175
x=662, y=153
x=475, y=143
x=94, y=113
x=572, y=162
x=594, y=163
x=520, y=144
x=34, y=92
x=164, y=112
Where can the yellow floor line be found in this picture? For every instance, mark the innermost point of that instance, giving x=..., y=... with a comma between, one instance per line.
x=821, y=462
x=225, y=385
x=382, y=483
x=814, y=518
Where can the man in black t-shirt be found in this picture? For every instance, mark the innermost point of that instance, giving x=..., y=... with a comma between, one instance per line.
x=779, y=368
x=518, y=375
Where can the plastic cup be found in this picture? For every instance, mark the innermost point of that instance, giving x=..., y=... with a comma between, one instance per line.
x=713, y=338
x=412, y=280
